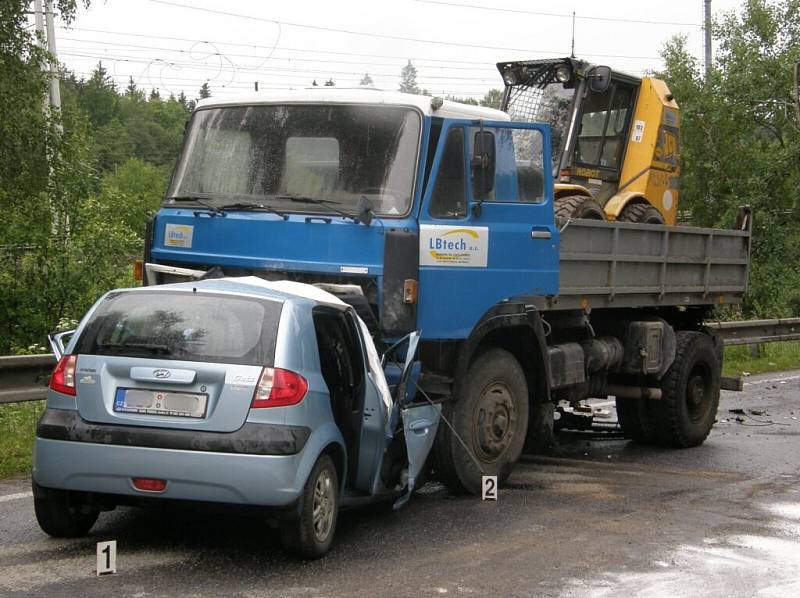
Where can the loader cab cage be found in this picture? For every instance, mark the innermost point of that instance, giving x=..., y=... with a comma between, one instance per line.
x=543, y=91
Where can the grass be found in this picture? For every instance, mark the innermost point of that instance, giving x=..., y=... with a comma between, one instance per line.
x=17, y=431
x=771, y=357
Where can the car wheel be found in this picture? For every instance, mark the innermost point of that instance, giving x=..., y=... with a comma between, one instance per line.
x=59, y=518
x=310, y=533
x=490, y=417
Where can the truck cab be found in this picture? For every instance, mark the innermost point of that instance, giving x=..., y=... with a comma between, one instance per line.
x=390, y=192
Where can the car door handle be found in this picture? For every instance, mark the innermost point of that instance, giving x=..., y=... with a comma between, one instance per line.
x=541, y=234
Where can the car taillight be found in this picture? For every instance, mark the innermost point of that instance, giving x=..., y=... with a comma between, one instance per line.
x=149, y=484
x=63, y=377
x=279, y=388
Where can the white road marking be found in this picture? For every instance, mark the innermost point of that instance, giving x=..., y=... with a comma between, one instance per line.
x=17, y=496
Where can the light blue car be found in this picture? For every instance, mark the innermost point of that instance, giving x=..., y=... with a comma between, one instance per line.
x=236, y=391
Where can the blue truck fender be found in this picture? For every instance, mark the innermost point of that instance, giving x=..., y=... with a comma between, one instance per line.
x=518, y=328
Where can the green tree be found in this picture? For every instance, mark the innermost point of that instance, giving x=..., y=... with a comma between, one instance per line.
x=366, y=80
x=408, y=79
x=740, y=142
x=493, y=99
x=205, y=91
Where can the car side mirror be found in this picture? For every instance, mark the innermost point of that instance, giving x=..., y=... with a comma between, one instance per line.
x=365, y=210
x=59, y=341
x=599, y=78
x=483, y=164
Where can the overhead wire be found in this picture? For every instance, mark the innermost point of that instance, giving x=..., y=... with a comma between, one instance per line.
x=559, y=15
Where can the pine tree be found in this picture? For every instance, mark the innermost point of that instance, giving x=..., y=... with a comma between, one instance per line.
x=408, y=79
x=205, y=91
x=183, y=100
x=154, y=95
x=366, y=80
x=131, y=90
x=329, y=83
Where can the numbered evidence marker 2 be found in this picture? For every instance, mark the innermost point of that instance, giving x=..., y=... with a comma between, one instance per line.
x=489, y=487
x=106, y=557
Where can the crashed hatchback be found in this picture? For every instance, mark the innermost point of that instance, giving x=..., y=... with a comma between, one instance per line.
x=235, y=391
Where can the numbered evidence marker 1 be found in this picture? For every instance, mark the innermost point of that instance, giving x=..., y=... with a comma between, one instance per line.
x=489, y=489
x=106, y=557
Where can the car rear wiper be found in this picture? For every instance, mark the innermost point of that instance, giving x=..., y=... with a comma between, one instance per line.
x=199, y=199
x=320, y=202
x=254, y=207
x=150, y=348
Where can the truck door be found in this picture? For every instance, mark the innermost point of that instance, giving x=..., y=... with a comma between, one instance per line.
x=486, y=225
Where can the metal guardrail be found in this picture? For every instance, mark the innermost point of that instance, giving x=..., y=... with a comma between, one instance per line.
x=24, y=377
x=753, y=332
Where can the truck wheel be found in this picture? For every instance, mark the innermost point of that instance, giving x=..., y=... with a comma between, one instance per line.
x=59, y=518
x=578, y=206
x=640, y=212
x=690, y=393
x=310, y=533
x=490, y=417
x=635, y=420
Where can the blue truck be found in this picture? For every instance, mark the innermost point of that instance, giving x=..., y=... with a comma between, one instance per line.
x=433, y=216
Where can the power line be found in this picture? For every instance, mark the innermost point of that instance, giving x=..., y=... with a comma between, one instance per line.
x=309, y=72
x=136, y=47
x=377, y=35
x=559, y=15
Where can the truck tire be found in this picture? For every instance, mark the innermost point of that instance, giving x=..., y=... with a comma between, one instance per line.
x=642, y=213
x=690, y=393
x=578, y=206
x=634, y=419
x=309, y=533
x=60, y=519
x=490, y=417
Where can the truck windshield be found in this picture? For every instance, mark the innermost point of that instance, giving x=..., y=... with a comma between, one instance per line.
x=277, y=154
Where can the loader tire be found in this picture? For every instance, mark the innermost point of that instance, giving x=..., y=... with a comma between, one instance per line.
x=490, y=417
x=642, y=213
x=578, y=206
x=686, y=412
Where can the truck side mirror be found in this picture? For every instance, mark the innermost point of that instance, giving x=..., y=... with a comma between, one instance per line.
x=483, y=164
x=599, y=78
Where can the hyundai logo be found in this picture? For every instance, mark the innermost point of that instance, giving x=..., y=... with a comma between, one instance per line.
x=161, y=373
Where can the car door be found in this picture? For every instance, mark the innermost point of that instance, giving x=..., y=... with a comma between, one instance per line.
x=487, y=232
x=420, y=417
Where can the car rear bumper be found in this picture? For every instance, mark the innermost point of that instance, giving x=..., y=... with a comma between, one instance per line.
x=98, y=465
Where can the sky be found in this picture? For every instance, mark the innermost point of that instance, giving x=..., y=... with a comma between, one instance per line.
x=176, y=45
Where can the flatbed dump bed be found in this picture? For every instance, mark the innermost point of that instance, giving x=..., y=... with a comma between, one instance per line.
x=621, y=265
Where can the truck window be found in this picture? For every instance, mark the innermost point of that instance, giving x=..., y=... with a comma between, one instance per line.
x=311, y=165
x=518, y=171
x=448, y=199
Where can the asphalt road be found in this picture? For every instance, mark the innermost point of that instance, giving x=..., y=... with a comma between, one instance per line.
x=603, y=517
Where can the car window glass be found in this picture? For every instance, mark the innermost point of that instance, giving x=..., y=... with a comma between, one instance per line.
x=184, y=326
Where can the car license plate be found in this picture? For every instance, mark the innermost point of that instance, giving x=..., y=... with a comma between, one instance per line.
x=160, y=402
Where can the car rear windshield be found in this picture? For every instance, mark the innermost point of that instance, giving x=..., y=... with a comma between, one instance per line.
x=184, y=326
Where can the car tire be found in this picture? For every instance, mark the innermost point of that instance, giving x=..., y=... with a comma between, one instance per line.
x=578, y=206
x=58, y=518
x=690, y=393
x=642, y=213
x=309, y=533
x=490, y=417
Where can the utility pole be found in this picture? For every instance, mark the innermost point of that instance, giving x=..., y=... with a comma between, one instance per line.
x=707, y=28
x=55, y=88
